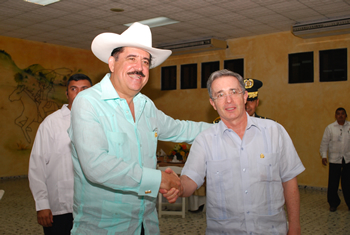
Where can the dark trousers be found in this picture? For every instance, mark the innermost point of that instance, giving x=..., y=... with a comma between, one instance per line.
x=337, y=172
x=62, y=224
x=142, y=230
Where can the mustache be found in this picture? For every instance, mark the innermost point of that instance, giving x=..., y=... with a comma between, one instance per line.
x=140, y=73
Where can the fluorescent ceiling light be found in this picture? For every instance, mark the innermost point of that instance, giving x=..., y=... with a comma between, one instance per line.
x=42, y=2
x=156, y=22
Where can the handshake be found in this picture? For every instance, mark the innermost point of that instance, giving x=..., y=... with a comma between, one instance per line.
x=171, y=186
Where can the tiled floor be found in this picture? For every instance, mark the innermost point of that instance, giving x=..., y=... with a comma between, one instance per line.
x=18, y=216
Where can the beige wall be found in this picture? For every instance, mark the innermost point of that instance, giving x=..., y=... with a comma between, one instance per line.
x=303, y=109
x=56, y=60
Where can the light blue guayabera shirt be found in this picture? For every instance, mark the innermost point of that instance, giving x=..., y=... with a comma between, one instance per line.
x=244, y=176
x=114, y=160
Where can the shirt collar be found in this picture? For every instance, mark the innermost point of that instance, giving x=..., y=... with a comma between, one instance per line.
x=65, y=110
x=345, y=123
x=108, y=91
x=251, y=122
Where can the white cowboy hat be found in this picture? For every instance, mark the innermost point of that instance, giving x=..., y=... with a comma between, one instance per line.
x=137, y=35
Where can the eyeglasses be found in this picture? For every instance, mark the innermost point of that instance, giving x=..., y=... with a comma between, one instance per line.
x=222, y=95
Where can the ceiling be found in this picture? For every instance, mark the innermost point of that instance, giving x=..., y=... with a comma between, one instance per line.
x=74, y=23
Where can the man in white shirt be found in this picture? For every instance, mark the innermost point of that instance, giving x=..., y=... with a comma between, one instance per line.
x=336, y=141
x=50, y=166
x=252, y=86
x=250, y=165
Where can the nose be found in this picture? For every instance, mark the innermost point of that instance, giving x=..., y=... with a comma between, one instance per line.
x=138, y=65
x=228, y=98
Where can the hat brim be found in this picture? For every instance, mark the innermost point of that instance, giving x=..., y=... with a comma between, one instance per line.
x=104, y=43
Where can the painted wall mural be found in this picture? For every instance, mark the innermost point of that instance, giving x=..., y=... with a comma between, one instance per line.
x=33, y=78
x=34, y=93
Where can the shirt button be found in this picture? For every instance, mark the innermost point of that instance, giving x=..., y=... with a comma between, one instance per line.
x=241, y=148
x=246, y=191
x=243, y=169
x=148, y=191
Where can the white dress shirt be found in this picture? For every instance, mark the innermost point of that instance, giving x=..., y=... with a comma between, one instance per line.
x=50, y=165
x=244, y=176
x=336, y=141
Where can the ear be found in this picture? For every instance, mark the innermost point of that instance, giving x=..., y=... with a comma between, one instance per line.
x=111, y=62
x=245, y=96
x=212, y=103
x=257, y=102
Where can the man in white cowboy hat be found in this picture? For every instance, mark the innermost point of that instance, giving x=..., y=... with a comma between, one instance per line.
x=114, y=133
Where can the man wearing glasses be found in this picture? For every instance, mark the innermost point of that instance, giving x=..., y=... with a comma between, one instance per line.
x=251, y=86
x=250, y=166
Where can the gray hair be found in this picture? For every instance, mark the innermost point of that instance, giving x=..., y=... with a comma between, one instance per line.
x=223, y=73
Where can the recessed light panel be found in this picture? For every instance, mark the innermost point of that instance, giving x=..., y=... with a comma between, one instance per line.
x=156, y=22
x=42, y=2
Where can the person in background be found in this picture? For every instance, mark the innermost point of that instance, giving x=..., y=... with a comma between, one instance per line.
x=336, y=142
x=50, y=165
x=252, y=86
x=250, y=166
x=114, y=133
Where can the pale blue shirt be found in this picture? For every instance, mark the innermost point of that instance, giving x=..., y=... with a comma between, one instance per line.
x=114, y=157
x=244, y=177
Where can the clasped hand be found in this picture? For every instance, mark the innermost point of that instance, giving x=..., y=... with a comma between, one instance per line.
x=170, y=186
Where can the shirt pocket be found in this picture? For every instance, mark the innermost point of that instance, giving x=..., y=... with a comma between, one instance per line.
x=347, y=135
x=220, y=187
x=274, y=224
x=334, y=146
x=151, y=148
x=268, y=167
x=151, y=138
x=218, y=172
x=118, y=145
x=64, y=141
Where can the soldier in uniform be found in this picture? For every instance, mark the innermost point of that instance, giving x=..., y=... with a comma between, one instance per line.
x=252, y=86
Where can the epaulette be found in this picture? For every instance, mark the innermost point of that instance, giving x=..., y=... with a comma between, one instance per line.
x=216, y=120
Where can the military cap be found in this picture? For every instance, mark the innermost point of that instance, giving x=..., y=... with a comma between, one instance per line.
x=252, y=86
